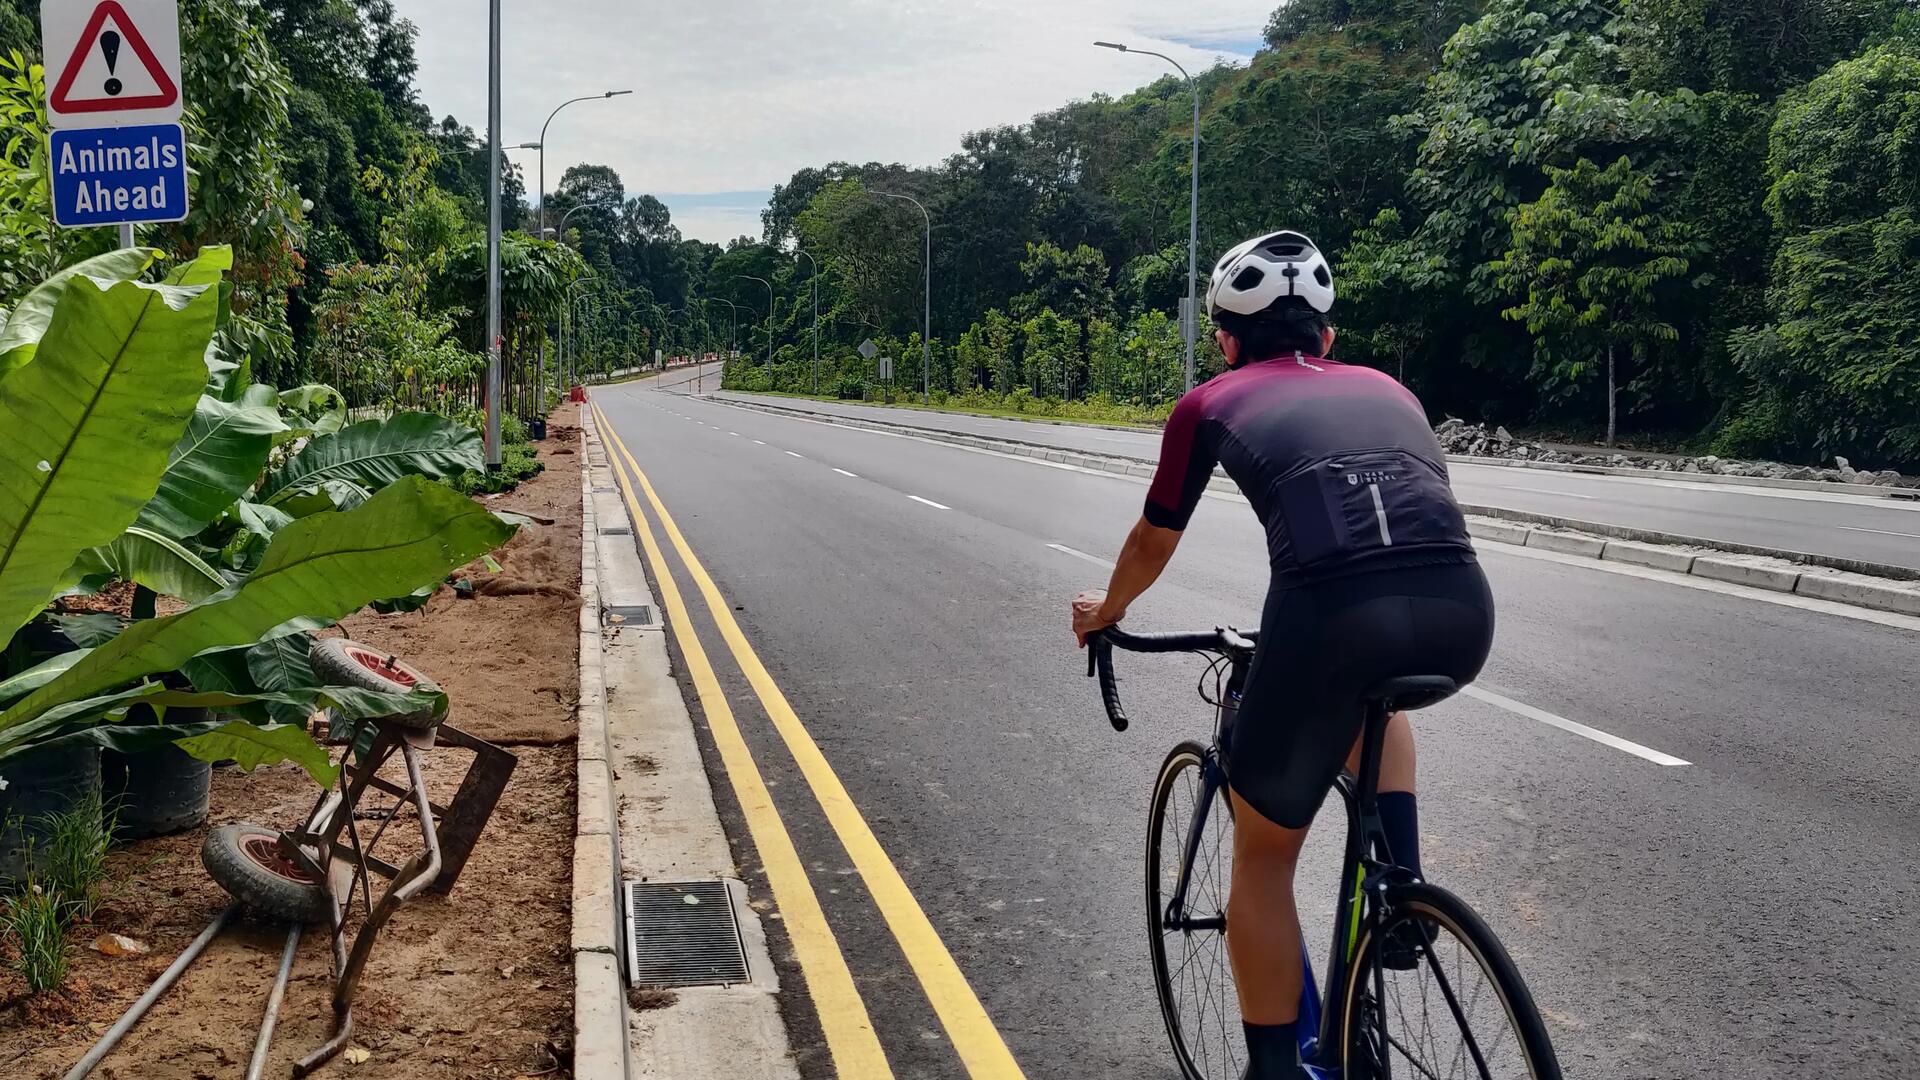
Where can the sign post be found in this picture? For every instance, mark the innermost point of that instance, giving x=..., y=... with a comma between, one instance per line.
x=117, y=150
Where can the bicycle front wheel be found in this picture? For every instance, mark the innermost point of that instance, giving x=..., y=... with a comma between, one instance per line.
x=1190, y=967
x=1449, y=1001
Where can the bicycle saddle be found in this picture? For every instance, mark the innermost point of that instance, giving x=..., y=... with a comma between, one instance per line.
x=1411, y=692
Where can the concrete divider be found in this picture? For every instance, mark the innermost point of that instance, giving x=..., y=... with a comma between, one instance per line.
x=1853, y=581
x=1745, y=572
x=1567, y=543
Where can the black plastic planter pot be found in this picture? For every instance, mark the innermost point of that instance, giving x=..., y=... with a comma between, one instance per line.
x=40, y=783
x=155, y=792
x=537, y=429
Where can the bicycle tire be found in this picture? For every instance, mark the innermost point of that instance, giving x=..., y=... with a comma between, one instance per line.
x=1201, y=1055
x=1473, y=943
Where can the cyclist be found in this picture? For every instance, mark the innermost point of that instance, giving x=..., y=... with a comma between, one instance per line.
x=1372, y=577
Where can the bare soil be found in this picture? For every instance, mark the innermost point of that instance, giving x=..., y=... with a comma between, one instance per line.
x=475, y=984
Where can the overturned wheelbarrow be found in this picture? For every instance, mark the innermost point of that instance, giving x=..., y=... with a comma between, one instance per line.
x=311, y=874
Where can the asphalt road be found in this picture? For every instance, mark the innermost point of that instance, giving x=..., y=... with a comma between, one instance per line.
x=1745, y=915
x=1827, y=523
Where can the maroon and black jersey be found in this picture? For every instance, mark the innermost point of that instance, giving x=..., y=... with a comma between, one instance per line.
x=1339, y=463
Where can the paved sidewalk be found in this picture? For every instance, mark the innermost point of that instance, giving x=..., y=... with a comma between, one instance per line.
x=648, y=814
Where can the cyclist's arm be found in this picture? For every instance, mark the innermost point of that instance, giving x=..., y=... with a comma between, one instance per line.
x=1142, y=558
x=1187, y=458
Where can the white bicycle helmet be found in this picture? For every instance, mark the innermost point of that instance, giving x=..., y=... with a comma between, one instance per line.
x=1248, y=279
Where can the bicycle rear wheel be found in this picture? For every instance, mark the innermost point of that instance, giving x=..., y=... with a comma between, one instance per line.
x=1462, y=1010
x=1190, y=968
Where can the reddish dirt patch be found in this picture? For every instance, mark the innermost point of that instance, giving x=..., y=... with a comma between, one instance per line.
x=475, y=984
x=508, y=655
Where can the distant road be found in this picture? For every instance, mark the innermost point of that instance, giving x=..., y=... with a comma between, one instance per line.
x=1836, y=524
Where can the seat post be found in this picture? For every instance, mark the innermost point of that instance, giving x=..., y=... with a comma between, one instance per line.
x=1373, y=739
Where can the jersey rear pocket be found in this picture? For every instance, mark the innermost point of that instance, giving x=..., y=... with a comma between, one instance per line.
x=1353, y=504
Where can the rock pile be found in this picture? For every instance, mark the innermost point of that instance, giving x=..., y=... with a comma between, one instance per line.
x=1477, y=440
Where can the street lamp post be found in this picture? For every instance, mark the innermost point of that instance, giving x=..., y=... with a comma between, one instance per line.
x=926, y=333
x=543, y=141
x=733, y=340
x=815, y=263
x=1192, y=320
x=769, y=285
x=566, y=314
x=493, y=235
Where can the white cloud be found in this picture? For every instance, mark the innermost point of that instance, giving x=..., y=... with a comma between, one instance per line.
x=735, y=95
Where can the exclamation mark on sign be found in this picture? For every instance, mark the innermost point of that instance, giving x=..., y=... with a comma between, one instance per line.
x=110, y=47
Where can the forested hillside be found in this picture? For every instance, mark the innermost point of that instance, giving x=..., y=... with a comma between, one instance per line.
x=1704, y=213
x=1712, y=202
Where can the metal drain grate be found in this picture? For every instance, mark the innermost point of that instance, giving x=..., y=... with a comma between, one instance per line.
x=683, y=934
x=616, y=530
x=639, y=616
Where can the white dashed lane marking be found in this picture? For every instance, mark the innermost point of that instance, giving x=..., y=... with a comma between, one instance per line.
x=929, y=502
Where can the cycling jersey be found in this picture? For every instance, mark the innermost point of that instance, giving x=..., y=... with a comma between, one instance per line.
x=1339, y=463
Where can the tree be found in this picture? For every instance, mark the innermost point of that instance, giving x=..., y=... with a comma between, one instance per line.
x=1836, y=369
x=1591, y=255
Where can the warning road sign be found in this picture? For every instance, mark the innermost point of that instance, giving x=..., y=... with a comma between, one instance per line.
x=111, y=63
x=118, y=176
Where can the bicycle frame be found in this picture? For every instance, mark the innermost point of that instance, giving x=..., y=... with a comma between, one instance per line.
x=1359, y=869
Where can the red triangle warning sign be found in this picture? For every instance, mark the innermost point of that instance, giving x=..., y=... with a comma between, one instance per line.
x=153, y=87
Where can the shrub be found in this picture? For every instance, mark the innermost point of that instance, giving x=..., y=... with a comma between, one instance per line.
x=34, y=918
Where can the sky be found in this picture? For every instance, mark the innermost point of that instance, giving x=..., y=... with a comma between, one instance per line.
x=733, y=96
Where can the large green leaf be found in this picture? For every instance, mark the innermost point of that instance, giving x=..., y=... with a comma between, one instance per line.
x=375, y=453
x=323, y=567
x=215, y=462
x=30, y=318
x=251, y=746
x=281, y=664
x=85, y=429
x=314, y=409
x=35, y=677
x=81, y=722
x=145, y=557
x=207, y=268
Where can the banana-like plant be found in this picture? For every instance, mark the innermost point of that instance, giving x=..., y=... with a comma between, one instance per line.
x=108, y=446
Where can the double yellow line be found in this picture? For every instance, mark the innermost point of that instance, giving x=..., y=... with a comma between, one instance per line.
x=843, y=1015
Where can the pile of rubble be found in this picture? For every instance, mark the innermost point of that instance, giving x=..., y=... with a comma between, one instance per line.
x=1477, y=440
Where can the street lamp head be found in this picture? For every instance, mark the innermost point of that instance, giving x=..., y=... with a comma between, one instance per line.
x=1110, y=45
x=616, y=93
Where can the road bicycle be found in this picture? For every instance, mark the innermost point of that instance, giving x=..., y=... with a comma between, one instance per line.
x=1418, y=984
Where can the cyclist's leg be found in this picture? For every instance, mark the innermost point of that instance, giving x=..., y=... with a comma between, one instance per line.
x=1399, y=815
x=1263, y=940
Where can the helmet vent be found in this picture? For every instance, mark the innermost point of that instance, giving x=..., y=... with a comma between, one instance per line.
x=1250, y=278
x=1320, y=275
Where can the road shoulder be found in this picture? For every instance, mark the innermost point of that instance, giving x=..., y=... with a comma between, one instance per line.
x=656, y=821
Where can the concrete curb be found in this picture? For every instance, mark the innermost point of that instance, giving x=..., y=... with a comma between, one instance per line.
x=1753, y=571
x=599, y=996
x=1851, y=581
x=1871, y=491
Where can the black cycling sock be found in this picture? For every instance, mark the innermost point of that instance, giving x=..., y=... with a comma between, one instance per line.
x=1273, y=1051
x=1400, y=820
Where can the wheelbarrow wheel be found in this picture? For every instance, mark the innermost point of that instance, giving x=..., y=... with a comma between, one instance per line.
x=340, y=662
x=246, y=861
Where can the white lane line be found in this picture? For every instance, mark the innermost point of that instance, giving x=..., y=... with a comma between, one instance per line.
x=735, y=434
x=1547, y=491
x=757, y=442
x=844, y=472
x=1078, y=554
x=929, y=502
x=1521, y=708
x=792, y=454
x=1882, y=532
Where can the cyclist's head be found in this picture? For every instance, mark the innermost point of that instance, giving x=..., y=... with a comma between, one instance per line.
x=1271, y=296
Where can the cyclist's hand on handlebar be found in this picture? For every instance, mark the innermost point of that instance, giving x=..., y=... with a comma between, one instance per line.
x=1089, y=614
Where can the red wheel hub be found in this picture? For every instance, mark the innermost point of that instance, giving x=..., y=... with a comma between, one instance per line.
x=383, y=667
x=265, y=852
